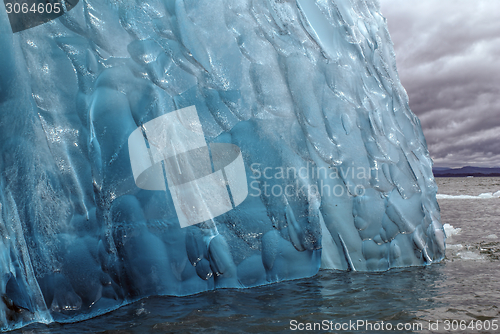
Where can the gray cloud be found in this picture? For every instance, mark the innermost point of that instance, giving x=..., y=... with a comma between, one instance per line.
x=447, y=54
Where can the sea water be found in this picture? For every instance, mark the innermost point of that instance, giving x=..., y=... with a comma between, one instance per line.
x=462, y=290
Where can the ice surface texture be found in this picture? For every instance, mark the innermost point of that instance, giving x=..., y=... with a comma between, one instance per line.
x=292, y=84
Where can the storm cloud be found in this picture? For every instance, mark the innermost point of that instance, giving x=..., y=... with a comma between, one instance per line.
x=447, y=54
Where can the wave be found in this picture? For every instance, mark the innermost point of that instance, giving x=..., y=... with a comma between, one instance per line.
x=481, y=196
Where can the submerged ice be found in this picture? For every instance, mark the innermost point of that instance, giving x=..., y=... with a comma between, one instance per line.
x=337, y=167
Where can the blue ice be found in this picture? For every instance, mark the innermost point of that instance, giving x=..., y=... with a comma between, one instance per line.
x=338, y=172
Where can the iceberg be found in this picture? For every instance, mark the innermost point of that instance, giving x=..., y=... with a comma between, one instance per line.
x=169, y=147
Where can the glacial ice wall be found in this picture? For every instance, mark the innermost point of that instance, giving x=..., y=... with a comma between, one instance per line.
x=338, y=171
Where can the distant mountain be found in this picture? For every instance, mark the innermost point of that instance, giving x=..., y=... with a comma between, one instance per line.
x=465, y=171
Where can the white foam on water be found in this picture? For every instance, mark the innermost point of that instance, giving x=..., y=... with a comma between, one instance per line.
x=481, y=196
x=469, y=255
x=492, y=236
x=454, y=247
x=449, y=230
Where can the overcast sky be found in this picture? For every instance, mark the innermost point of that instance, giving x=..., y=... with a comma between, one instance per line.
x=448, y=59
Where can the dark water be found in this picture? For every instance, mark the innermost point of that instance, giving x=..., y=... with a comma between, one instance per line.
x=464, y=287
